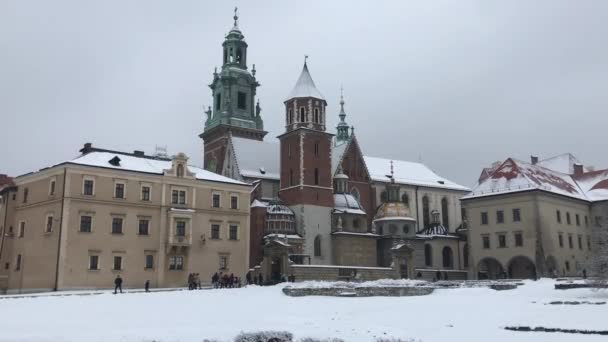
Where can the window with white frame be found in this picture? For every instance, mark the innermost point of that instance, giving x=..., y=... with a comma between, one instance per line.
x=145, y=192
x=117, y=264
x=215, y=231
x=178, y=197
x=93, y=262
x=117, y=225
x=176, y=262
x=144, y=226
x=234, y=201
x=233, y=232
x=223, y=262
x=120, y=189
x=88, y=186
x=180, y=228
x=49, y=224
x=149, y=261
x=86, y=223
x=52, y=184
x=216, y=200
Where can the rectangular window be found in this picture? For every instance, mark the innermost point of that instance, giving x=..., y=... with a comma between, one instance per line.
x=88, y=186
x=598, y=221
x=486, y=242
x=119, y=190
x=568, y=218
x=516, y=215
x=234, y=202
x=484, y=218
x=52, y=188
x=180, y=228
x=570, y=243
x=502, y=241
x=560, y=237
x=85, y=224
x=117, y=263
x=216, y=201
x=117, y=225
x=233, y=233
x=500, y=216
x=578, y=219
x=21, y=229
x=145, y=193
x=519, y=240
x=580, y=242
x=558, y=216
x=93, y=262
x=223, y=262
x=215, y=231
x=49, y=224
x=144, y=227
x=316, y=149
x=289, y=151
x=176, y=262
x=241, y=100
x=26, y=192
x=18, y=263
x=588, y=242
x=586, y=221
x=149, y=261
x=178, y=197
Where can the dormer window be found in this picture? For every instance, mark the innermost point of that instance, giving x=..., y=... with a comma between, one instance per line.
x=115, y=161
x=180, y=170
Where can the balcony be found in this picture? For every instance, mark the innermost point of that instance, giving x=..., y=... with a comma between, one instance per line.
x=180, y=240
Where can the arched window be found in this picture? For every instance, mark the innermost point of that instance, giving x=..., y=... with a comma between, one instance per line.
x=356, y=223
x=302, y=115
x=465, y=255
x=428, y=255
x=316, y=115
x=316, y=176
x=444, y=212
x=383, y=196
x=231, y=56
x=448, y=257
x=318, y=245
x=218, y=102
x=426, y=212
x=239, y=55
x=291, y=177
x=355, y=193
x=180, y=170
x=225, y=56
x=289, y=116
x=405, y=199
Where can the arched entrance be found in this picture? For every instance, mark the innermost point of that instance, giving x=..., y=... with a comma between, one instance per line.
x=276, y=270
x=521, y=267
x=490, y=268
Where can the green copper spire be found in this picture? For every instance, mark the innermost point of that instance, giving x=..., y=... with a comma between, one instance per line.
x=342, y=127
x=234, y=87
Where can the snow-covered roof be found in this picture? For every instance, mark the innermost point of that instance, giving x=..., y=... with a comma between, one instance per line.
x=346, y=201
x=355, y=234
x=406, y=172
x=563, y=163
x=516, y=176
x=143, y=164
x=257, y=159
x=282, y=236
x=305, y=86
x=336, y=155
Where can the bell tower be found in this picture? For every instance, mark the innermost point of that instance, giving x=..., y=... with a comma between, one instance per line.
x=306, y=184
x=234, y=109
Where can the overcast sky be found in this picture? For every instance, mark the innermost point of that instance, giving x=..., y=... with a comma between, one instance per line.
x=456, y=84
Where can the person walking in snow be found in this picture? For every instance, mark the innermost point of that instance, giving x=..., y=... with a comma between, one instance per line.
x=118, y=284
x=248, y=277
x=147, y=286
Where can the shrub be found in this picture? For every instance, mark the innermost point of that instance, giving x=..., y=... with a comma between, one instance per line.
x=265, y=336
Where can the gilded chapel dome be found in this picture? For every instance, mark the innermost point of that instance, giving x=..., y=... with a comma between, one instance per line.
x=393, y=211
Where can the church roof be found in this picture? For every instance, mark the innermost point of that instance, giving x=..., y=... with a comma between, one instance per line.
x=305, y=86
x=407, y=172
x=563, y=163
x=347, y=203
x=257, y=159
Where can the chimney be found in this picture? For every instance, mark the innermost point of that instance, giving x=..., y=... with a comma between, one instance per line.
x=87, y=148
x=578, y=170
x=138, y=153
x=534, y=160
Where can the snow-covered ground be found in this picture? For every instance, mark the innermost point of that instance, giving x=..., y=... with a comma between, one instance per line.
x=462, y=314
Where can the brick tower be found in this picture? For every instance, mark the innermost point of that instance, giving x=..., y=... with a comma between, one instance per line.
x=306, y=176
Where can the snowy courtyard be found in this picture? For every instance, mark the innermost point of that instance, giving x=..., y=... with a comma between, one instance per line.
x=463, y=314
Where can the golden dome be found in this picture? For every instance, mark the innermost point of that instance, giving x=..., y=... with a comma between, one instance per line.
x=393, y=211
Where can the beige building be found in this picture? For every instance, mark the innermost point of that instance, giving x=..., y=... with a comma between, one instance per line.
x=527, y=220
x=80, y=223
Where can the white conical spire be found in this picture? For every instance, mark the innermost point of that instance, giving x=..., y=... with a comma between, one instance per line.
x=305, y=86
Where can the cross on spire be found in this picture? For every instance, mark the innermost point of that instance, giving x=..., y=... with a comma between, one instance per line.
x=392, y=173
x=236, y=16
x=305, y=59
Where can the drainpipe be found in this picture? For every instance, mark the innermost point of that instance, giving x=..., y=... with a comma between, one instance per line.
x=417, y=212
x=60, y=230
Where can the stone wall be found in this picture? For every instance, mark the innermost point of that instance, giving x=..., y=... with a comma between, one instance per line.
x=333, y=273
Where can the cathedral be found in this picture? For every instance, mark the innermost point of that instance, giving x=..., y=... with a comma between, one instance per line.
x=317, y=198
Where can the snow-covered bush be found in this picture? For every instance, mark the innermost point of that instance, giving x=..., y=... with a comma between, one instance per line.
x=308, y=339
x=265, y=336
x=384, y=339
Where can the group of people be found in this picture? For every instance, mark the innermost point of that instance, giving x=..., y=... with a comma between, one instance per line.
x=194, y=281
x=223, y=280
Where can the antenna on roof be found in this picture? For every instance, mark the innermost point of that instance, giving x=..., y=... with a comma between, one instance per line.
x=160, y=151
